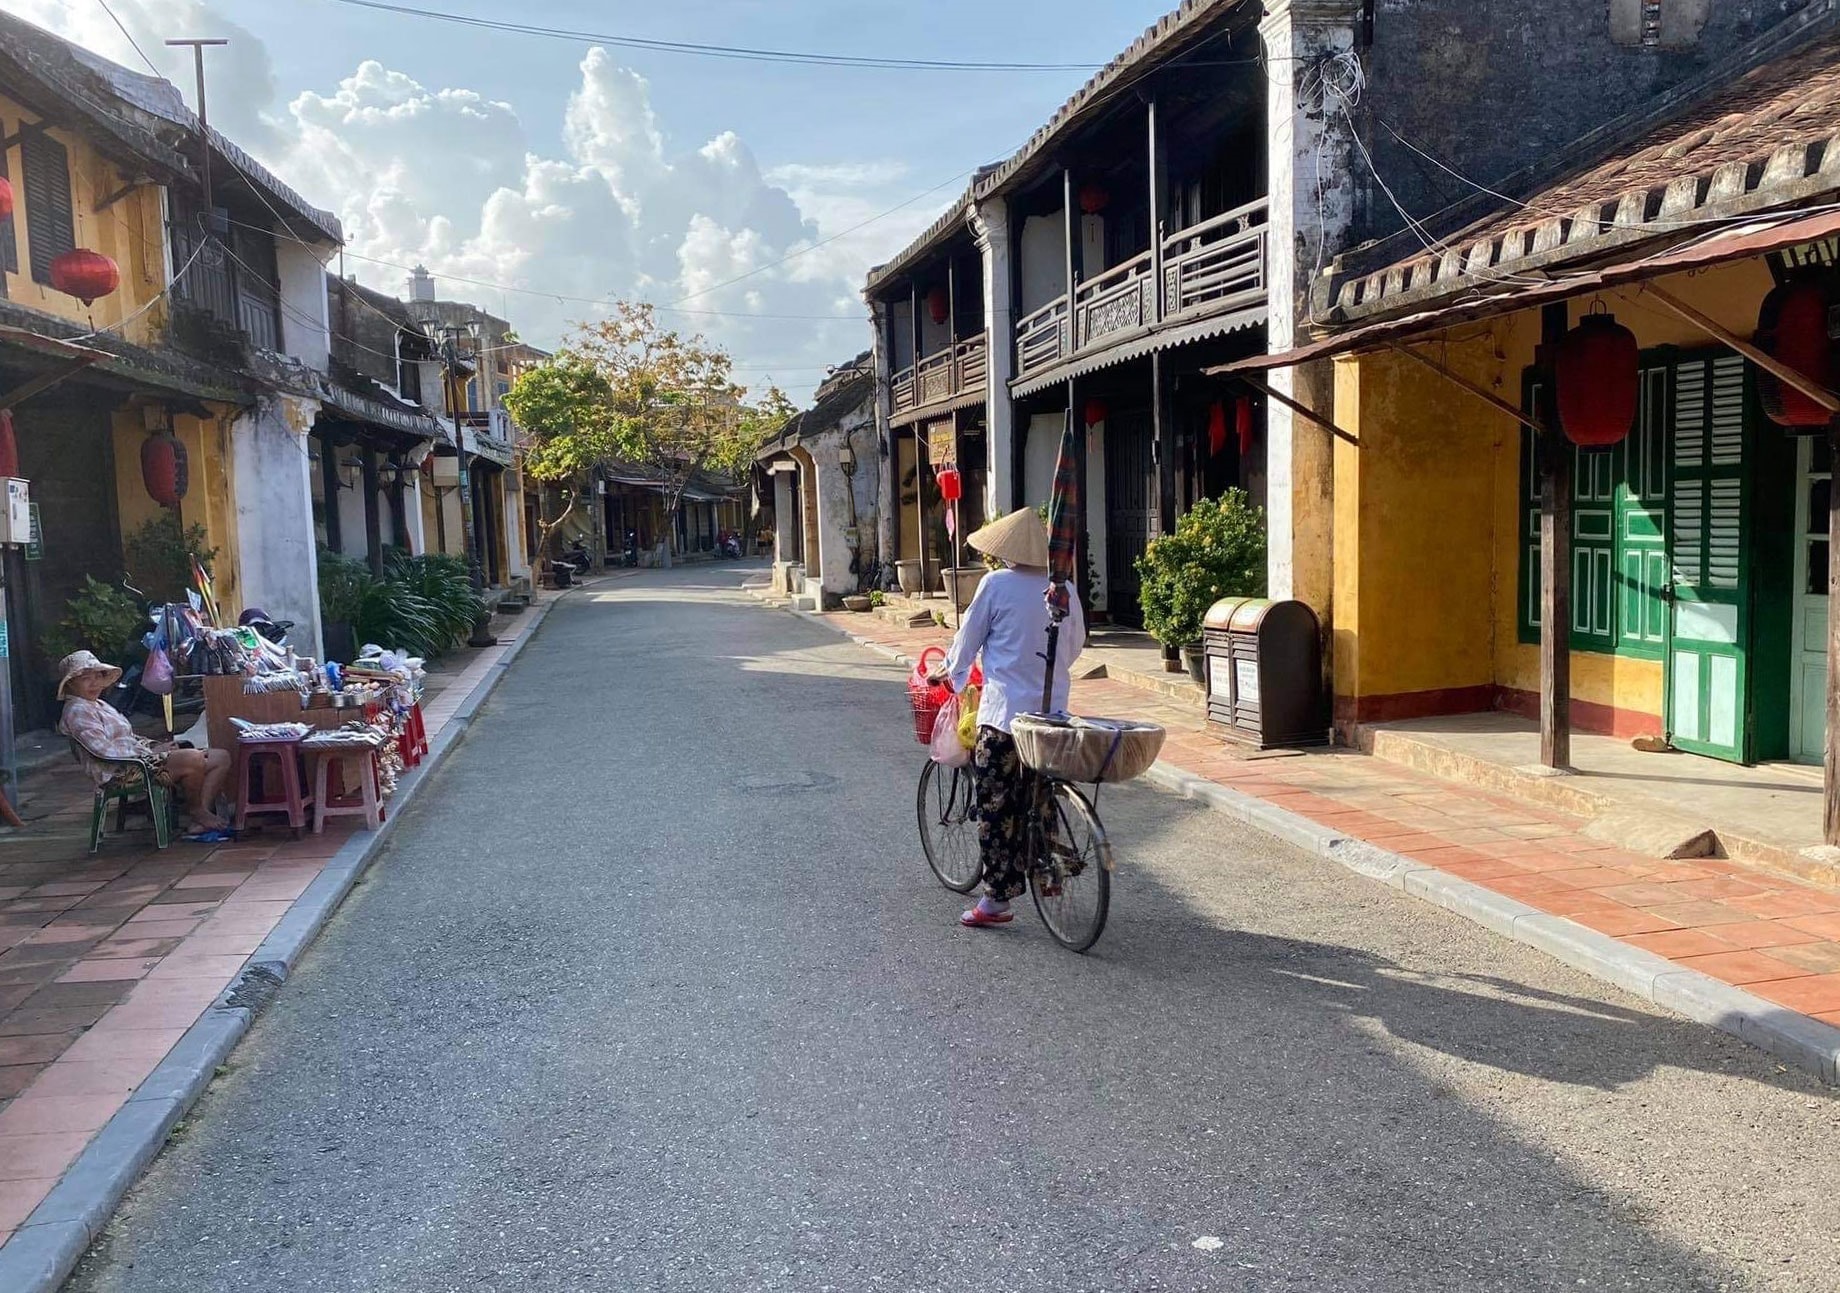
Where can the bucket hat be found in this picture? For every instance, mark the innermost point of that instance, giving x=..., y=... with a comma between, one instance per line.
x=1019, y=538
x=78, y=663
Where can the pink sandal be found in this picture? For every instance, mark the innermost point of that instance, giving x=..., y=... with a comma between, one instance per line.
x=978, y=918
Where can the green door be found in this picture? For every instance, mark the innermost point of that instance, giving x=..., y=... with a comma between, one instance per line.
x=1707, y=683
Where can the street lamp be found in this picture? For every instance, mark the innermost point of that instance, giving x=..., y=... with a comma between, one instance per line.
x=450, y=352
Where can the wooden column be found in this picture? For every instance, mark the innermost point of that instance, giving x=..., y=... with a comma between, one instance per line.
x=1076, y=418
x=1019, y=440
x=399, y=505
x=1555, y=456
x=1163, y=424
x=329, y=486
x=1073, y=251
x=1157, y=189
x=1830, y=814
x=373, y=512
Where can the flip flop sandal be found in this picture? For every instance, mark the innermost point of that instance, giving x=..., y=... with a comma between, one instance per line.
x=209, y=837
x=977, y=918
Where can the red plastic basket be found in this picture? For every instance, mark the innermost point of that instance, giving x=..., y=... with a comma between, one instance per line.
x=926, y=698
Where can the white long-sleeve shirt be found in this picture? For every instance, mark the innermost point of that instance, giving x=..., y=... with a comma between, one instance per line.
x=1007, y=622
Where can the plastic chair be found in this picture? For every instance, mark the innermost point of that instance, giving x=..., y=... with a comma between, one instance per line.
x=134, y=787
x=365, y=800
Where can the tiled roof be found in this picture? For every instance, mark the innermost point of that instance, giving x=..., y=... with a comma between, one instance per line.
x=1769, y=139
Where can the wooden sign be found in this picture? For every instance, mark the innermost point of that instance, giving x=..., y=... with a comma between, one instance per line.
x=941, y=443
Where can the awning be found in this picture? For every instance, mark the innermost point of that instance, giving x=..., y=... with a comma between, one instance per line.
x=1160, y=338
x=1738, y=241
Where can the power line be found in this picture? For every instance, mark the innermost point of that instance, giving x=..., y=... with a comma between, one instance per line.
x=742, y=53
x=119, y=26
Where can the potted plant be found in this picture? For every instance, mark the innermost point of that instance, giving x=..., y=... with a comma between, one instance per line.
x=856, y=602
x=1217, y=550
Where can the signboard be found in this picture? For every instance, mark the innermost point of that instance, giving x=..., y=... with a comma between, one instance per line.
x=35, y=546
x=941, y=443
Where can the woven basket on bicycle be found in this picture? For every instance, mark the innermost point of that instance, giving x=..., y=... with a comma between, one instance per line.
x=1090, y=750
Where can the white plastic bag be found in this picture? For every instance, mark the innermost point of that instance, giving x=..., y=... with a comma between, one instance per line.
x=947, y=749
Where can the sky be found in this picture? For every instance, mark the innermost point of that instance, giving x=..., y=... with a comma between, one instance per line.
x=566, y=169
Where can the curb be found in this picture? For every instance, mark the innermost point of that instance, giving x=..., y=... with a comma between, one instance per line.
x=1796, y=1039
x=48, y=1244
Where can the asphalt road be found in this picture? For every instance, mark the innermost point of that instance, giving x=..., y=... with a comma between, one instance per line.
x=654, y=992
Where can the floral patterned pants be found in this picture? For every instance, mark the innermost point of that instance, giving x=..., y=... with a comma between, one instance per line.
x=1007, y=792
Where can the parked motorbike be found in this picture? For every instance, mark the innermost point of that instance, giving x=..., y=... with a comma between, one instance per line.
x=730, y=546
x=579, y=558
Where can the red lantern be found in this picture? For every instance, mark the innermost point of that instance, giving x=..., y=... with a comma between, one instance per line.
x=938, y=304
x=165, y=468
x=85, y=274
x=1095, y=412
x=6, y=197
x=1598, y=374
x=1094, y=198
x=9, y=445
x=1792, y=329
x=951, y=487
x=1242, y=423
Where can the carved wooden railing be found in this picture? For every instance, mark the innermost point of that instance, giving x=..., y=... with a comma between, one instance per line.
x=1217, y=264
x=1118, y=300
x=945, y=376
x=1042, y=339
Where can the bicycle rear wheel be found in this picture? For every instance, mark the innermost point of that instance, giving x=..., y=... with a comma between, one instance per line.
x=947, y=808
x=1071, y=881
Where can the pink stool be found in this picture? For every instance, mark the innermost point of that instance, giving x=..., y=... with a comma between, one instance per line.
x=365, y=801
x=292, y=799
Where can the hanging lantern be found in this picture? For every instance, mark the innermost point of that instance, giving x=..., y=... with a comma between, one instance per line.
x=938, y=305
x=1597, y=367
x=165, y=469
x=1242, y=423
x=951, y=486
x=9, y=445
x=1095, y=412
x=1094, y=198
x=85, y=274
x=1792, y=329
x=6, y=197
x=1217, y=427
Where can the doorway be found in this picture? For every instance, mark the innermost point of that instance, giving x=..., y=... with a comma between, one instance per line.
x=1814, y=474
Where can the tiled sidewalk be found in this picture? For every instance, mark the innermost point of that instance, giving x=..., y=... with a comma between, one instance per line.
x=105, y=961
x=1772, y=936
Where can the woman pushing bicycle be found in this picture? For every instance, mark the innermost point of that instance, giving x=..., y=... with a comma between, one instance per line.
x=1007, y=625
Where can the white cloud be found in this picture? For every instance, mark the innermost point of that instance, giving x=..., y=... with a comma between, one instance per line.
x=450, y=178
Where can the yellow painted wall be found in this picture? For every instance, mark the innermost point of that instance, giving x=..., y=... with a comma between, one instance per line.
x=131, y=231
x=1427, y=527
x=208, y=501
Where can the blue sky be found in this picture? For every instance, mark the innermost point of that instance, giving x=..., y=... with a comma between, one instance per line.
x=539, y=164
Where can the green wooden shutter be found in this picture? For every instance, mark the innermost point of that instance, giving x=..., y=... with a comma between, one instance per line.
x=50, y=217
x=1707, y=684
x=1641, y=530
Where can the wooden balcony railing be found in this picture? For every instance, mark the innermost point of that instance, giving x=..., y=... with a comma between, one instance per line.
x=1210, y=267
x=1042, y=339
x=1217, y=264
x=1118, y=300
x=941, y=377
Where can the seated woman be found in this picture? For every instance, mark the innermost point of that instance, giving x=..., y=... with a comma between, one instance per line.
x=101, y=733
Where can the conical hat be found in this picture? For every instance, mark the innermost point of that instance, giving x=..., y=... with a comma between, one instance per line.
x=1019, y=538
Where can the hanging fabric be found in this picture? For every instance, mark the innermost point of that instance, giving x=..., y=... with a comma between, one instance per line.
x=1217, y=427
x=1242, y=415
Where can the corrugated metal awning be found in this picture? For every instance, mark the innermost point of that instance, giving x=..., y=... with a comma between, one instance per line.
x=1163, y=339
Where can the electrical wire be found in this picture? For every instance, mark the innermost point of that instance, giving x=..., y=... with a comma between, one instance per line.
x=151, y=301
x=742, y=53
x=129, y=36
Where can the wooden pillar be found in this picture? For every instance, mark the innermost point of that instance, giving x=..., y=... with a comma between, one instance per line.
x=373, y=513
x=1081, y=566
x=329, y=486
x=1019, y=440
x=399, y=510
x=1555, y=455
x=1157, y=189
x=1163, y=429
x=1830, y=816
x=1073, y=252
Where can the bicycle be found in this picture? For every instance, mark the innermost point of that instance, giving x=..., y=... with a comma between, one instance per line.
x=1067, y=856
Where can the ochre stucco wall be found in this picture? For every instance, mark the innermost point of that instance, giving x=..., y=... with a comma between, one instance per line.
x=208, y=499
x=130, y=230
x=1427, y=533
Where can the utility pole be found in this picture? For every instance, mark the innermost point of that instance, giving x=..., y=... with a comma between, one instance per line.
x=197, y=46
x=482, y=632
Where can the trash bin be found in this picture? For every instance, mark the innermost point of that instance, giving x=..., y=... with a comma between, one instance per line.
x=1264, y=664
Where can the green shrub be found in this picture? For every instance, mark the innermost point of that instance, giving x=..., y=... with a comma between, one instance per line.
x=422, y=605
x=159, y=557
x=1218, y=550
x=102, y=618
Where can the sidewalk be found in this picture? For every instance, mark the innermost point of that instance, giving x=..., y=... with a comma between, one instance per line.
x=1760, y=933
x=107, y=961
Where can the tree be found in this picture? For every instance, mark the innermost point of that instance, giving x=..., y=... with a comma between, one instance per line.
x=565, y=411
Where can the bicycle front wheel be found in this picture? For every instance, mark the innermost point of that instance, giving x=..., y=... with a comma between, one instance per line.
x=1071, y=881
x=947, y=808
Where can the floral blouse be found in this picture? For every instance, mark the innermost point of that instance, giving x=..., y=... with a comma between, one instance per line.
x=101, y=732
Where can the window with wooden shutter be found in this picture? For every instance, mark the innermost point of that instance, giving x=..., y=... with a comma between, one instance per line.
x=50, y=216
x=1619, y=530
